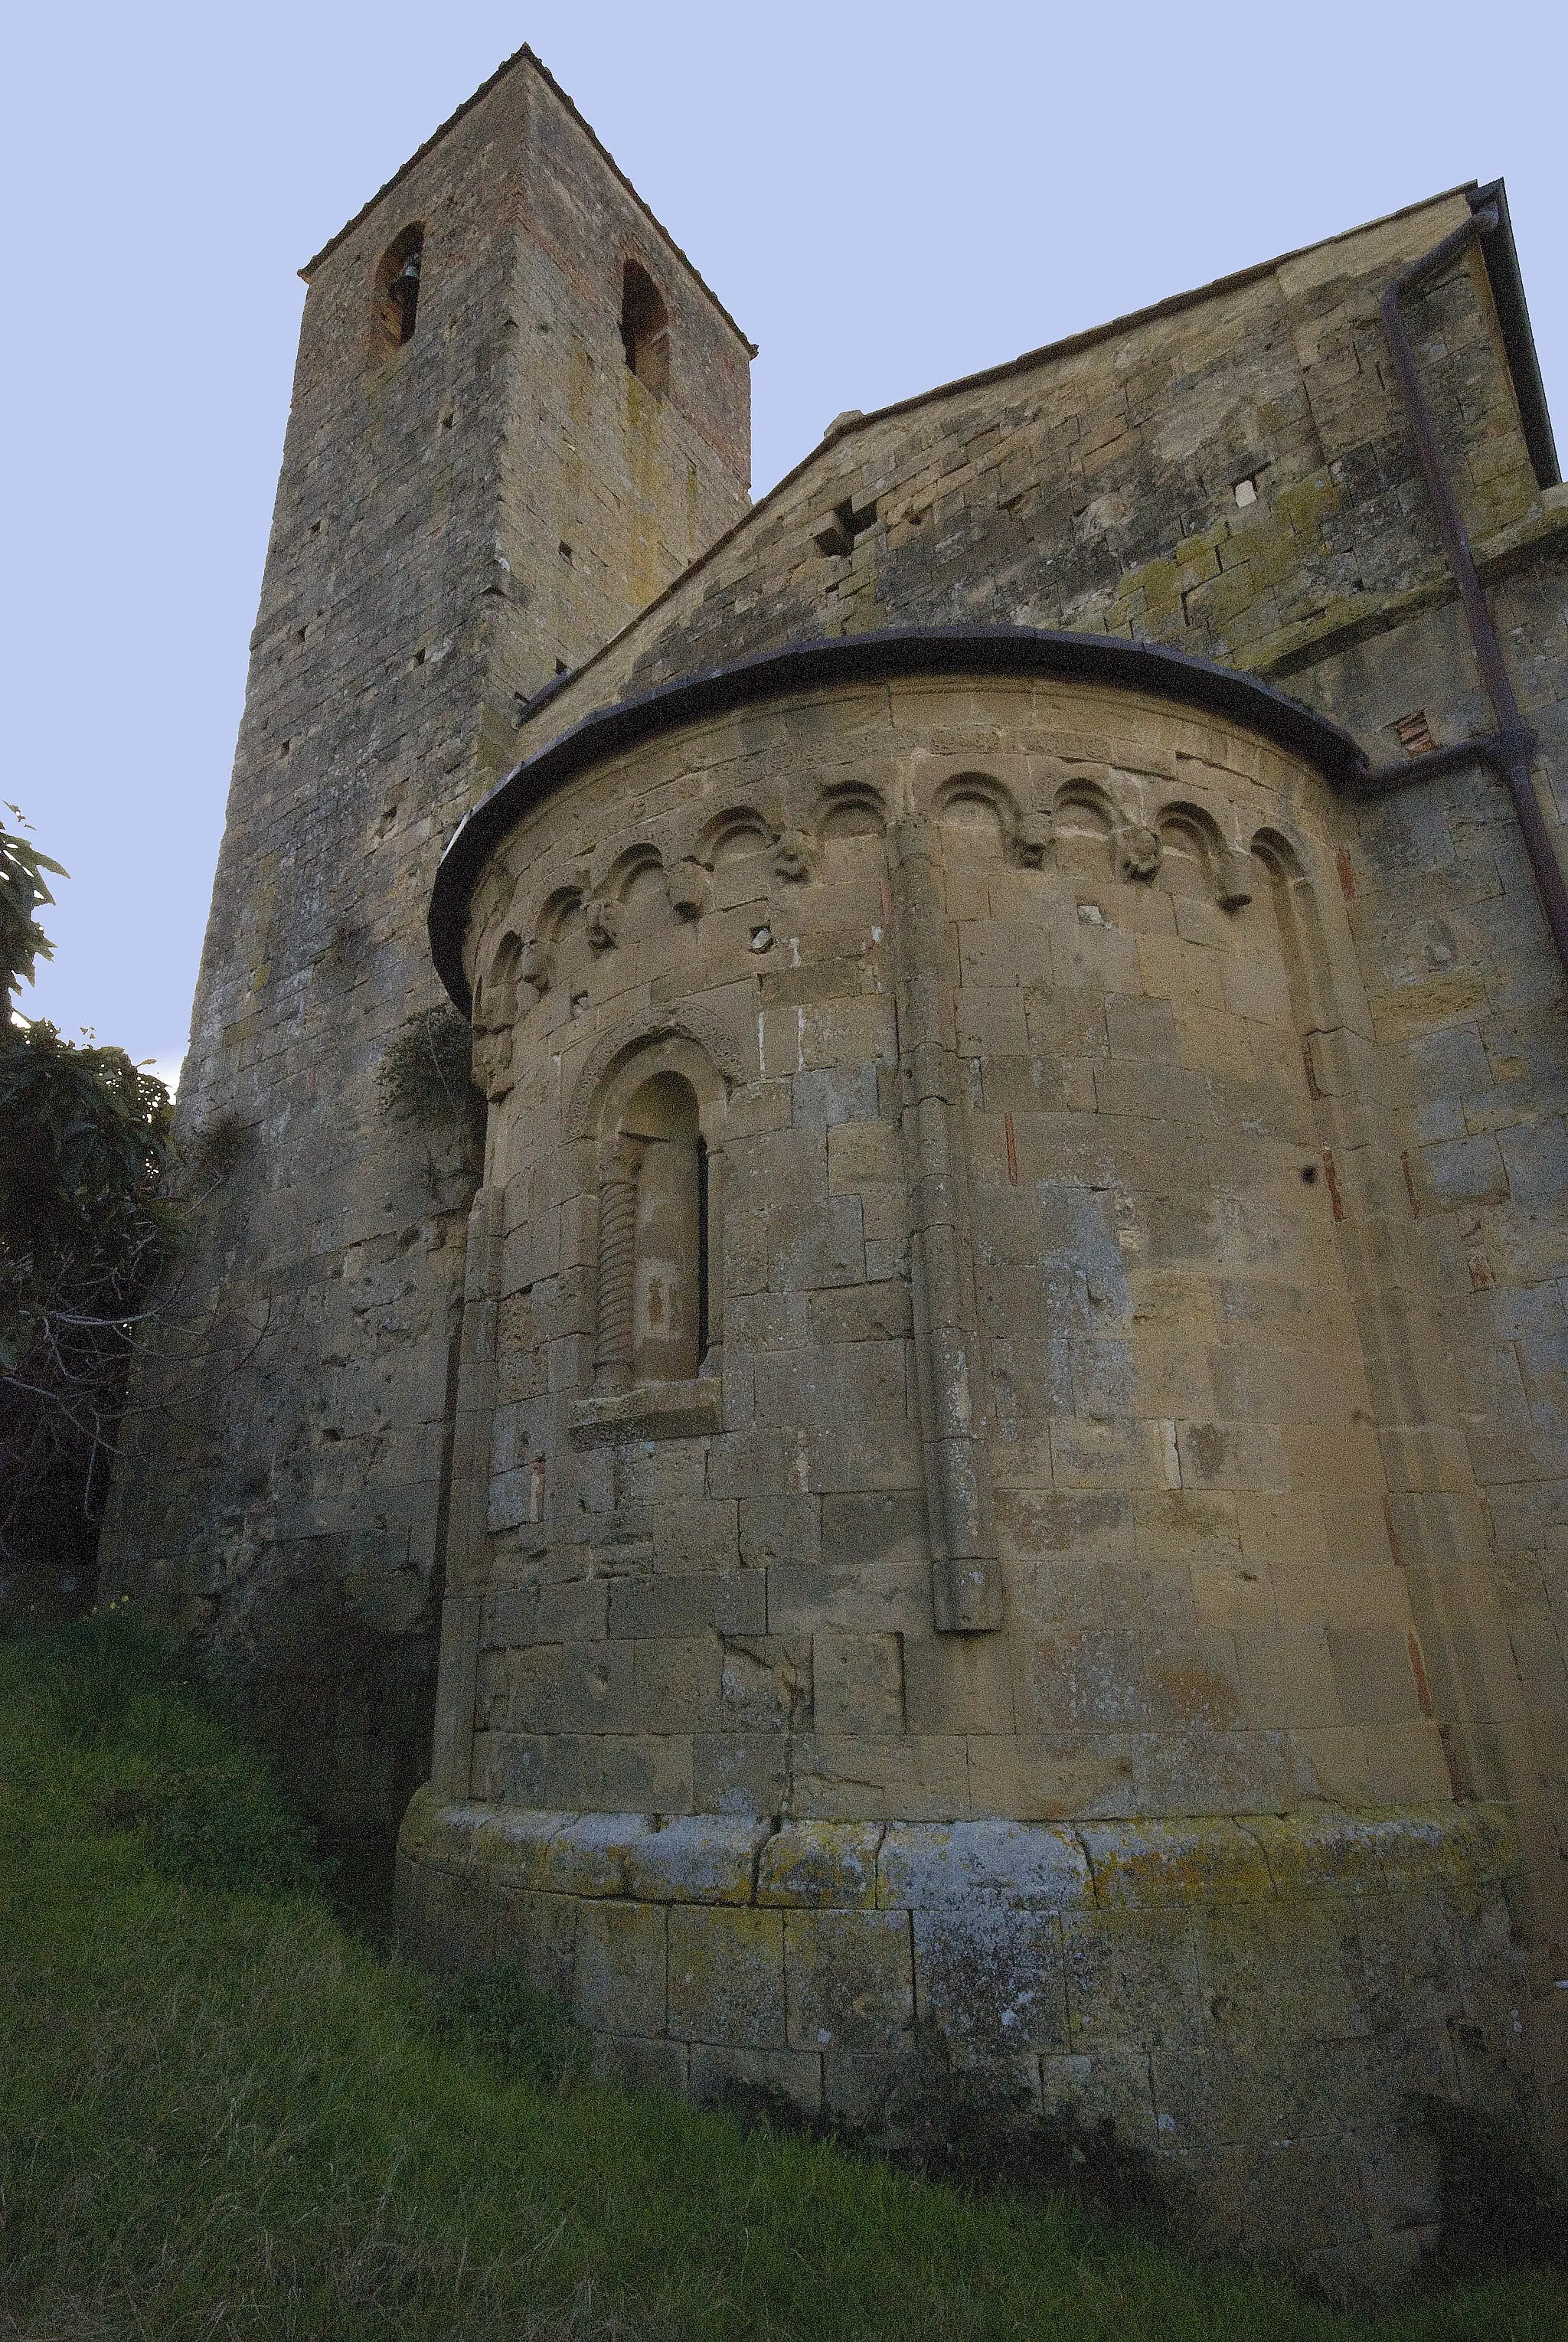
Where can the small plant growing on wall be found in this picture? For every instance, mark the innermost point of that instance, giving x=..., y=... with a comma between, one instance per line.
x=426, y=1077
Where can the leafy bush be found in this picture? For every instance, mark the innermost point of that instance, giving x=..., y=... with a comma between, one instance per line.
x=86, y=1234
x=85, y=1237
x=23, y=887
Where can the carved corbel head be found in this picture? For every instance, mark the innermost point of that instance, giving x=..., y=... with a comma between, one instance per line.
x=792, y=858
x=533, y=966
x=1139, y=854
x=1031, y=839
x=493, y=1060
x=687, y=885
x=603, y=921
x=1233, y=879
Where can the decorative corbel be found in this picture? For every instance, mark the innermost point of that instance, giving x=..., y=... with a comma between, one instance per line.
x=687, y=887
x=602, y=920
x=1138, y=852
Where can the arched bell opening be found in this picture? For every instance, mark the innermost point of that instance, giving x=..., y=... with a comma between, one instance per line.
x=397, y=275
x=645, y=329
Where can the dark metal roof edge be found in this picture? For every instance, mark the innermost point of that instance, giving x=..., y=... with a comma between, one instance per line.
x=890, y=652
x=1501, y=254
x=526, y=55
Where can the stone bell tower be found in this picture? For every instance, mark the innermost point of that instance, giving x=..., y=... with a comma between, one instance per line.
x=517, y=415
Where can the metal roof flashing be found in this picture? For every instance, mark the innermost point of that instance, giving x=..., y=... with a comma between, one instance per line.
x=887, y=655
x=1501, y=255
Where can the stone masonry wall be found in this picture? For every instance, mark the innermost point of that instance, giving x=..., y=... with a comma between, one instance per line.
x=1257, y=2007
x=707, y=1761
x=1205, y=1373
x=283, y=1491
x=1233, y=476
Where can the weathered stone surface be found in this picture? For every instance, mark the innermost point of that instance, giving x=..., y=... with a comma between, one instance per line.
x=821, y=1865
x=993, y=1428
x=621, y=1968
x=991, y=1978
x=727, y=1978
x=973, y=1864
x=850, y=1979
x=458, y=520
x=1206, y=2009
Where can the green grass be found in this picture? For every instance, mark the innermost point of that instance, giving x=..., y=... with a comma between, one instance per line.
x=223, y=2115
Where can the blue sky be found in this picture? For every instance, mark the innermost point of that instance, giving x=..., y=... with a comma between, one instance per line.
x=885, y=195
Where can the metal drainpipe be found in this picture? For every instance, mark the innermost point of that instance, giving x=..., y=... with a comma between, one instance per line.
x=1512, y=747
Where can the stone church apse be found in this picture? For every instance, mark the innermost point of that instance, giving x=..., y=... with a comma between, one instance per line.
x=924, y=1573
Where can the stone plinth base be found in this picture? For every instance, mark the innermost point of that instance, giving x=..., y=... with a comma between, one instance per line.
x=1256, y=2004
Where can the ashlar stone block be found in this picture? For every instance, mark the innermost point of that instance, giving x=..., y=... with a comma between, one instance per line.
x=849, y=1978
x=621, y=1968
x=857, y=1681
x=821, y=1865
x=727, y=1976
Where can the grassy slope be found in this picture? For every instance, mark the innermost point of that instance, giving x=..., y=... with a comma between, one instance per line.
x=221, y=2115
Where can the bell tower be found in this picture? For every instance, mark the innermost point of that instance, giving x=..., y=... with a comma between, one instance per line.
x=517, y=415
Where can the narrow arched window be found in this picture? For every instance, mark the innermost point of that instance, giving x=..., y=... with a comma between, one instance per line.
x=645, y=329
x=654, y=1241
x=398, y=289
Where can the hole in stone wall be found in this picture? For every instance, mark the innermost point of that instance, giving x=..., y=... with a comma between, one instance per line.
x=397, y=288
x=849, y=521
x=1413, y=733
x=645, y=329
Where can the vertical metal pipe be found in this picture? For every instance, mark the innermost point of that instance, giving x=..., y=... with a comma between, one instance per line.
x=1514, y=762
